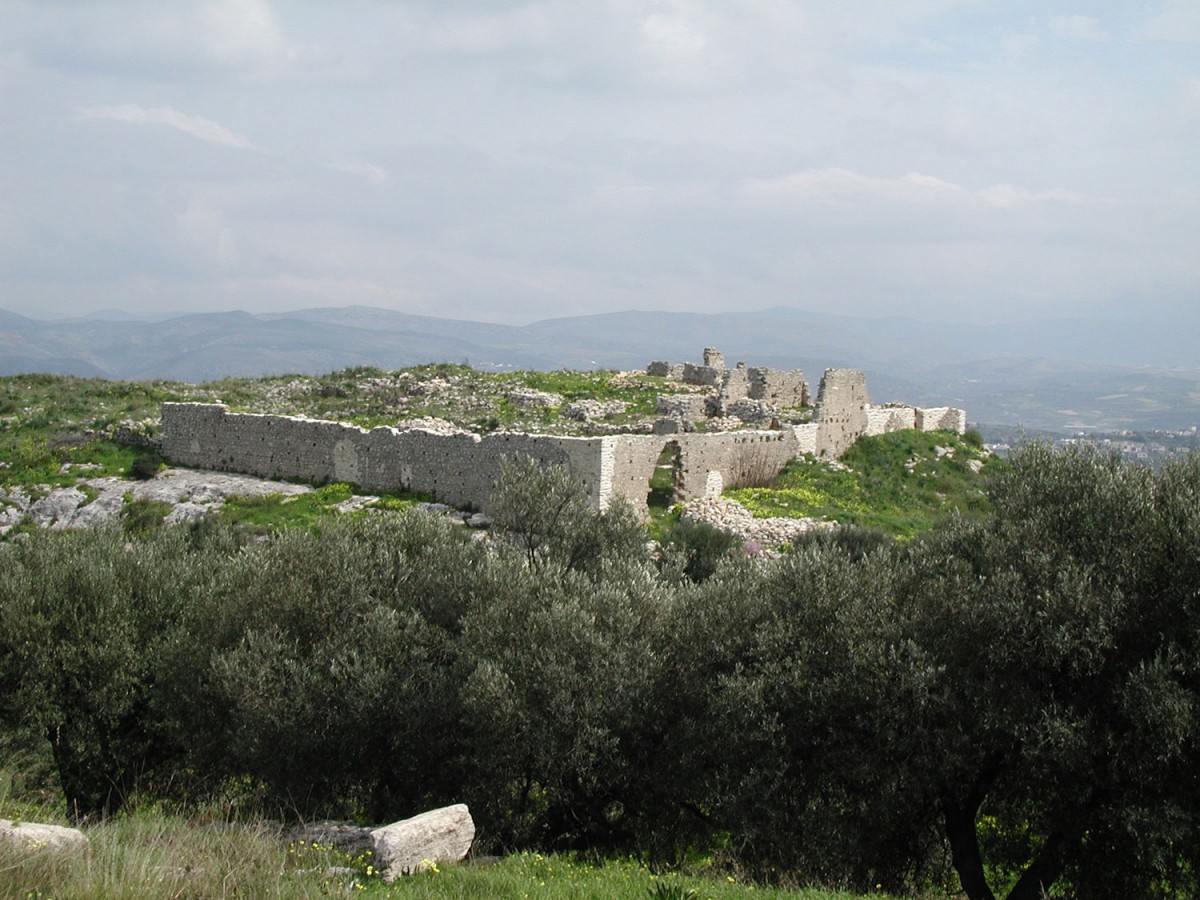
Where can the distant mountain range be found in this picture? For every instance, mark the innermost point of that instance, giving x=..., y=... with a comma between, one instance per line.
x=1056, y=375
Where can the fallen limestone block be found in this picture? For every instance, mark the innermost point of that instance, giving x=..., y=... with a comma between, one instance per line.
x=35, y=836
x=440, y=836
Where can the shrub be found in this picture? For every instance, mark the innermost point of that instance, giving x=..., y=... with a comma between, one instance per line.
x=697, y=548
x=84, y=620
x=145, y=466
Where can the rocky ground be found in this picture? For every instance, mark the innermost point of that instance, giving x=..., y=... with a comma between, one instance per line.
x=190, y=494
x=97, y=501
x=730, y=515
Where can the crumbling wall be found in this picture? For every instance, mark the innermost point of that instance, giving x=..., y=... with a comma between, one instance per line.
x=663, y=369
x=786, y=389
x=458, y=469
x=704, y=376
x=890, y=417
x=841, y=410
x=735, y=384
x=941, y=418
x=689, y=407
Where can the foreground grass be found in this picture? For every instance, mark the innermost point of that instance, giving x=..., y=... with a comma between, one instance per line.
x=158, y=856
x=534, y=875
x=153, y=856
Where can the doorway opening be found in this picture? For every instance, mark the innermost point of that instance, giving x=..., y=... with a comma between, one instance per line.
x=666, y=482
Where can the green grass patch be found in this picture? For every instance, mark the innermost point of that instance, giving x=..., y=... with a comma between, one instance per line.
x=398, y=502
x=271, y=512
x=141, y=516
x=534, y=875
x=898, y=483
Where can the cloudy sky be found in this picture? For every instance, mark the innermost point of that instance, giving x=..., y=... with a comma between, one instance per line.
x=975, y=160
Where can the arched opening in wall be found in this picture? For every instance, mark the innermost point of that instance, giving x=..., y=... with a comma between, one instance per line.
x=667, y=479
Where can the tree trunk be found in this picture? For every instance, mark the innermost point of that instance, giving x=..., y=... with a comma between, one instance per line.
x=1035, y=881
x=964, y=848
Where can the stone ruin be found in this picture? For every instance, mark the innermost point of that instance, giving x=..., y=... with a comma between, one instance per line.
x=460, y=468
x=750, y=395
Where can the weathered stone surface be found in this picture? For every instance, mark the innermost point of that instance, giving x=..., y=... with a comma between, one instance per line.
x=587, y=410
x=105, y=508
x=33, y=836
x=439, y=836
x=728, y=515
x=429, y=424
x=748, y=410
x=182, y=485
x=57, y=507
x=684, y=406
x=532, y=397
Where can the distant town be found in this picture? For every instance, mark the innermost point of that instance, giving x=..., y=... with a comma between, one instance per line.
x=1152, y=448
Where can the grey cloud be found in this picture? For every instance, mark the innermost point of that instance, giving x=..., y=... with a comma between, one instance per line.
x=518, y=159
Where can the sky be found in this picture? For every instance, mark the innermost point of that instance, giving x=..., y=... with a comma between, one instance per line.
x=510, y=161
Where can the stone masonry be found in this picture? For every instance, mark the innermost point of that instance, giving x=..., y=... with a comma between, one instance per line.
x=460, y=469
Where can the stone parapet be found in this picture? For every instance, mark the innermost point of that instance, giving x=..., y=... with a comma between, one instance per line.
x=941, y=418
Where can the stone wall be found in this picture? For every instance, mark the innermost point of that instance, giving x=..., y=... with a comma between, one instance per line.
x=777, y=387
x=703, y=376
x=841, y=410
x=461, y=469
x=690, y=407
x=664, y=369
x=890, y=417
x=941, y=418
x=458, y=469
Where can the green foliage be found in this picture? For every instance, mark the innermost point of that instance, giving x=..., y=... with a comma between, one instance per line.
x=697, y=548
x=145, y=466
x=1061, y=704
x=895, y=482
x=140, y=516
x=1008, y=701
x=83, y=617
x=150, y=855
x=544, y=510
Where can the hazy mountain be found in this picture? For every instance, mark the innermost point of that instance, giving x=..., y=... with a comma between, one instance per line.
x=1058, y=375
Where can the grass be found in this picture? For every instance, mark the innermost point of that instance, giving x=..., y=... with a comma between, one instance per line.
x=534, y=875
x=153, y=855
x=897, y=482
x=150, y=852
x=272, y=512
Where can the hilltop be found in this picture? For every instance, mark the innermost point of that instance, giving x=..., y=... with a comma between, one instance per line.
x=65, y=432
x=1061, y=375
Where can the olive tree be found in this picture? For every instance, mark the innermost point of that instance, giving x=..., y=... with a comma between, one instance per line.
x=87, y=623
x=1061, y=718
